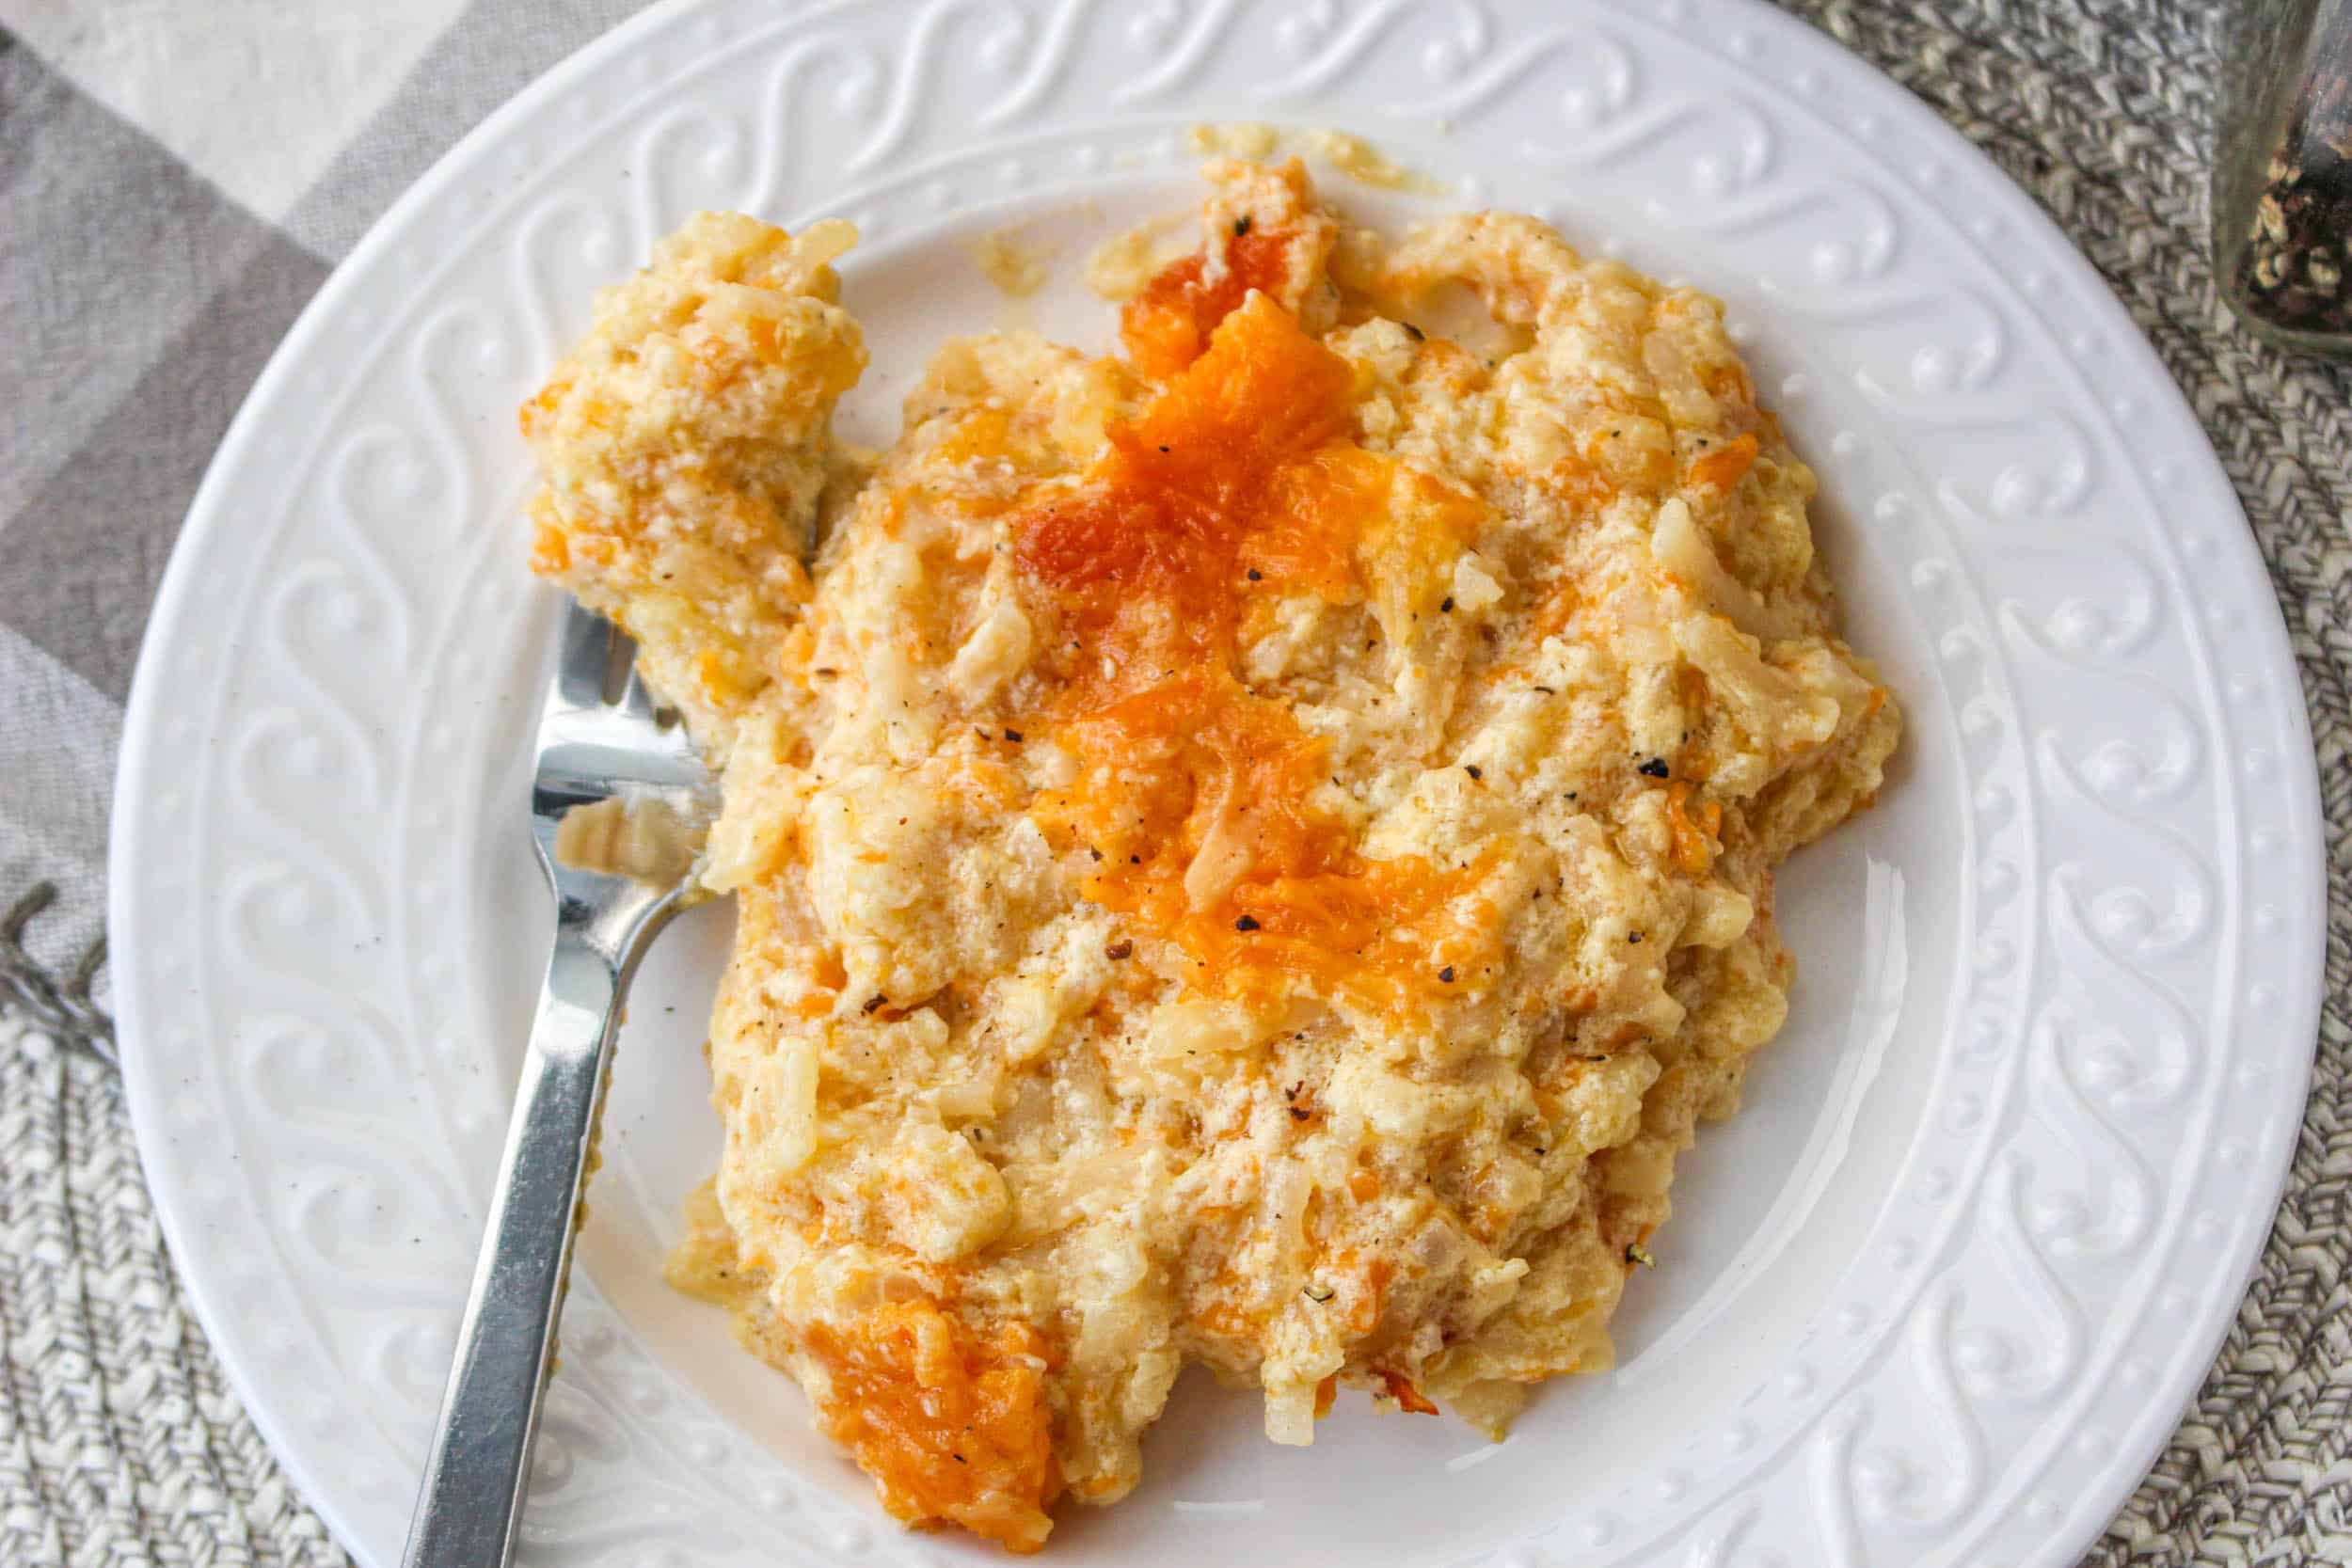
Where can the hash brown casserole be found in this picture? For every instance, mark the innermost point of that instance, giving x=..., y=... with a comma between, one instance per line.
x=1256, y=851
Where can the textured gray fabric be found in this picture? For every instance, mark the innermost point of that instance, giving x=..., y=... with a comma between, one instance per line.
x=53, y=805
x=118, y=1444
x=489, y=55
x=96, y=534
x=108, y=239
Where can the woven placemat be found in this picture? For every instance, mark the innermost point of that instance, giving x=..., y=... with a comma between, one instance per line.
x=119, y=1443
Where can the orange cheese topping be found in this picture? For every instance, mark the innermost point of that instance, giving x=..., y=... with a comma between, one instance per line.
x=1238, y=479
x=1578, y=482
x=1694, y=832
x=950, y=1429
x=1409, y=1398
x=1726, y=464
x=550, y=552
x=1167, y=325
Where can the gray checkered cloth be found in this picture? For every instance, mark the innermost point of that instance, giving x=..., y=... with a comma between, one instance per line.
x=176, y=181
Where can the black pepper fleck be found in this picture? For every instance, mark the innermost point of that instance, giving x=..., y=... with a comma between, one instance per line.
x=1013, y=736
x=1446, y=975
x=1241, y=226
x=1247, y=923
x=875, y=1002
x=1472, y=768
x=1447, y=608
x=1654, y=768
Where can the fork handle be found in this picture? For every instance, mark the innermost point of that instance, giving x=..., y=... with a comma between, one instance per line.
x=473, y=1497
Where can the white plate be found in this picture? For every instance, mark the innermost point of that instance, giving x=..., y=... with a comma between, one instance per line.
x=1937, y=1296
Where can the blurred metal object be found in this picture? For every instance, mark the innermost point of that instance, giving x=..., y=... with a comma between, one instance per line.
x=2282, y=171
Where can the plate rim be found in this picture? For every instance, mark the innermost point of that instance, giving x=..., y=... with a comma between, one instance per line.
x=2171, y=1394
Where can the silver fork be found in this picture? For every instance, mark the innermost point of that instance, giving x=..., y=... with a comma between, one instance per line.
x=600, y=737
